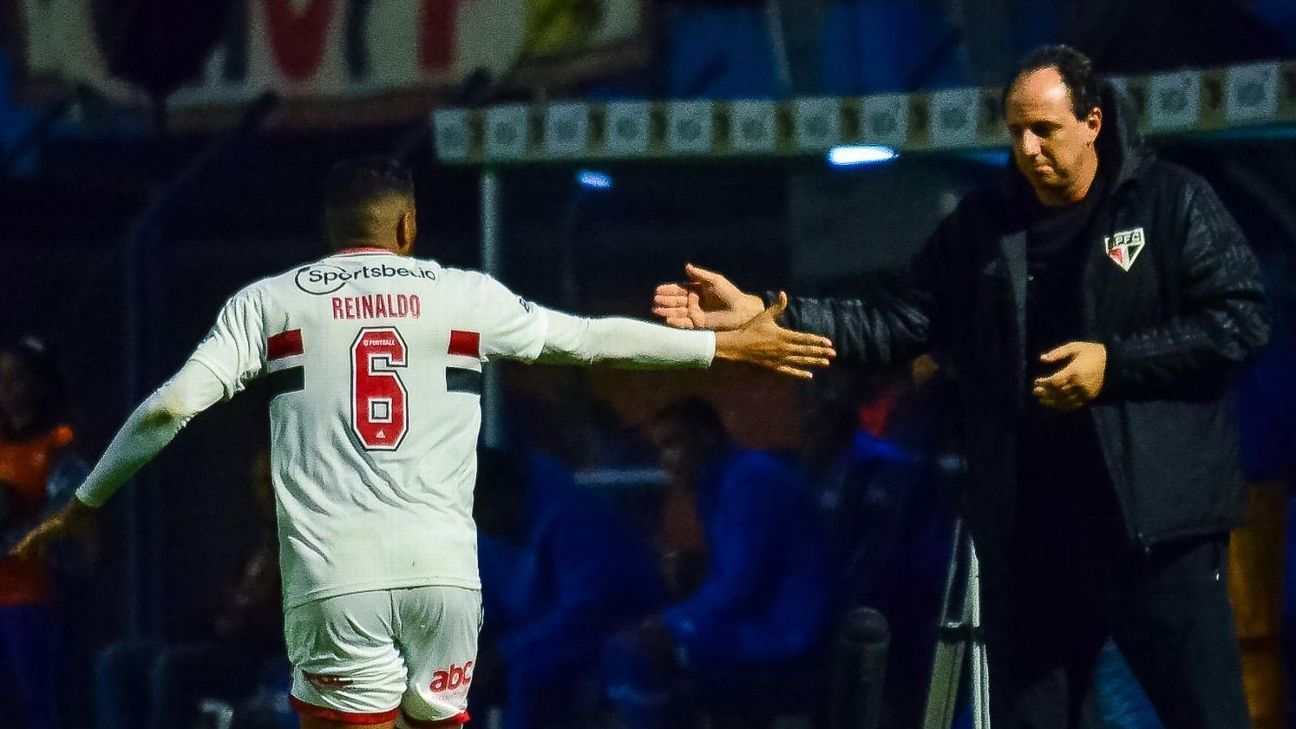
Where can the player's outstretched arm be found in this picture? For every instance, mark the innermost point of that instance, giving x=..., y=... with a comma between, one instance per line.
x=706, y=300
x=145, y=433
x=762, y=342
x=632, y=344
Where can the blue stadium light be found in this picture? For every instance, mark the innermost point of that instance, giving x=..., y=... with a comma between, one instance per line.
x=594, y=180
x=850, y=155
x=990, y=157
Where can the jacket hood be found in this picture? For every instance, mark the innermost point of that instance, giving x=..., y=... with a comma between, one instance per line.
x=1120, y=143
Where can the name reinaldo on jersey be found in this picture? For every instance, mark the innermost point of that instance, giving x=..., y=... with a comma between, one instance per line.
x=373, y=366
x=377, y=306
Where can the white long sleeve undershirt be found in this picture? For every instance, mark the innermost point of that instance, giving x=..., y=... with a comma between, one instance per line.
x=150, y=428
x=624, y=343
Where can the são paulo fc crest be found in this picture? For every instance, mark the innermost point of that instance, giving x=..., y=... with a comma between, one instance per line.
x=1125, y=246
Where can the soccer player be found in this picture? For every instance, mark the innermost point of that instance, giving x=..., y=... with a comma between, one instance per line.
x=374, y=361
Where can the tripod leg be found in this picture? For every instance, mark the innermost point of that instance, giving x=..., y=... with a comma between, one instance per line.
x=947, y=663
x=980, y=661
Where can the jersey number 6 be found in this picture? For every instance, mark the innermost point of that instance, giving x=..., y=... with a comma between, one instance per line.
x=378, y=397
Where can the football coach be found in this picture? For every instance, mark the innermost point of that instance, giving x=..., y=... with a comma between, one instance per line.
x=1091, y=307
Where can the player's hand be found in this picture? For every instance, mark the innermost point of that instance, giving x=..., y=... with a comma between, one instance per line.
x=707, y=300
x=1084, y=365
x=69, y=521
x=764, y=343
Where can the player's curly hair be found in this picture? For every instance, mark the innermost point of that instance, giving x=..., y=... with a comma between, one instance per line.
x=355, y=187
x=1076, y=71
x=357, y=181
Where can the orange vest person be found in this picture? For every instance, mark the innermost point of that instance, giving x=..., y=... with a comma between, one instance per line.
x=38, y=474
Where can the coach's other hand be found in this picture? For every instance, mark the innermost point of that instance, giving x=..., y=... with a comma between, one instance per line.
x=71, y=520
x=1078, y=382
x=707, y=300
x=765, y=344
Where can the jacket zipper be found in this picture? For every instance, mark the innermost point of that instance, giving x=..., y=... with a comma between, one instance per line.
x=1115, y=469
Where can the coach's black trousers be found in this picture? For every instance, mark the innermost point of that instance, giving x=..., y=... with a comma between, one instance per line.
x=1073, y=579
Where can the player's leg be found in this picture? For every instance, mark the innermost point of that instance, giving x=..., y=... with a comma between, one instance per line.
x=346, y=668
x=436, y=631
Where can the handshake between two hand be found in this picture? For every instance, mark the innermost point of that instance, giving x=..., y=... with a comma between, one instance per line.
x=746, y=331
x=708, y=300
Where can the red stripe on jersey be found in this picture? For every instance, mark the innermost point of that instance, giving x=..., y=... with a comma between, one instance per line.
x=466, y=343
x=345, y=717
x=457, y=720
x=284, y=344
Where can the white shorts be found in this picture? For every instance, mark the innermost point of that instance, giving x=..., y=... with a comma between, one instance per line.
x=369, y=657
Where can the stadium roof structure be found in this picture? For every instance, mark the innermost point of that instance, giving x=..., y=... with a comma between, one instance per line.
x=1243, y=98
x=1248, y=100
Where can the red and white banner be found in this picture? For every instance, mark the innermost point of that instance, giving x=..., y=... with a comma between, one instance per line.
x=324, y=55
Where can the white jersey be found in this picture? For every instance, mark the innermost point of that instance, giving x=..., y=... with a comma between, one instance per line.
x=374, y=362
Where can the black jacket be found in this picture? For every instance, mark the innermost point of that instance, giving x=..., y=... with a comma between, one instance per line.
x=1188, y=309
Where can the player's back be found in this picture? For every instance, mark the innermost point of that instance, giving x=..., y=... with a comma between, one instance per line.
x=374, y=364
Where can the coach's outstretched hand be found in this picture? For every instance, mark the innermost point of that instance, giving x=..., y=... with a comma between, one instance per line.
x=707, y=300
x=762, y=342
x=69, y=521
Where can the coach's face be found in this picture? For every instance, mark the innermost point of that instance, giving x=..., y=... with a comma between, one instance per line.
x=1052, y=148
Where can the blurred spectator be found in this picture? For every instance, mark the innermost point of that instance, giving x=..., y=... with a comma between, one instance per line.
x=843, y=452
x=158, y=685
x=38, y=473
x=559, y=574
x=870, y=445
x=1256, y=569
x=763, y=597
x=587, y=434
x=1266, y=409
x=1119, y=699
x=601, y=440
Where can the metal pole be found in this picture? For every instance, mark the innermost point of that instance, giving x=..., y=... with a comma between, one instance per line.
x=131, y=353
x=570, y=289
x=980, y=659
x=778, y=42
x=492, y=433
x=951, y=642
